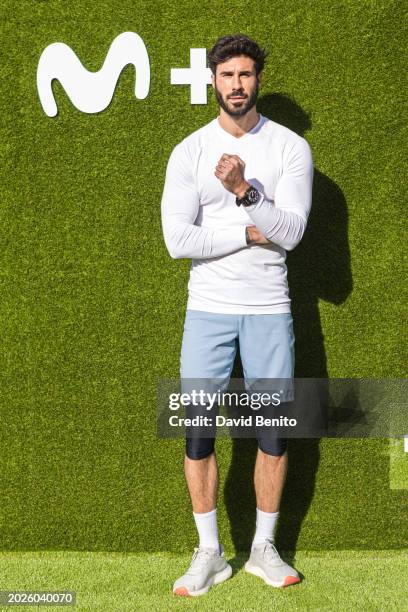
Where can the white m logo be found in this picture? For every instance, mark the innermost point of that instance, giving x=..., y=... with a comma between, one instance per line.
x=91, y=92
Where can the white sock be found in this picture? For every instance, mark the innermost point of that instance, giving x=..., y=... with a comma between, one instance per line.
x=265, y=526
x=206, y=523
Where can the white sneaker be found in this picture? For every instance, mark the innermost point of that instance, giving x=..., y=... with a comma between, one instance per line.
x=266, y=563
x=208, y=566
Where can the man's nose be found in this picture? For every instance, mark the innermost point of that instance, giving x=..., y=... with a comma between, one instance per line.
x=236, y=82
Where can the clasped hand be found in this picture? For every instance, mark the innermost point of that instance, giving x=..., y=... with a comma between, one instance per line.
x=230, y=170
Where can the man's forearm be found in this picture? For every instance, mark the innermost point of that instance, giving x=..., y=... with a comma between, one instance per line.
x=283, y=221
x=186, y=240
x=283, y=228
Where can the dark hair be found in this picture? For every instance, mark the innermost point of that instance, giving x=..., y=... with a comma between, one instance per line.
x=234, y=45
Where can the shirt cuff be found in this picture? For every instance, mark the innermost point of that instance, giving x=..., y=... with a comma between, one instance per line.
x=237, y=236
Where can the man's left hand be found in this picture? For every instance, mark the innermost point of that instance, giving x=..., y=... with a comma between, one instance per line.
x=230, y=170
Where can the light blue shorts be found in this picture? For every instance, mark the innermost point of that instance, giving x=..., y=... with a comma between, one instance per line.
x=210, y=341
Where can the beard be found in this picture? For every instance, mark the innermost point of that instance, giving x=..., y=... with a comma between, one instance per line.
x=247, y=104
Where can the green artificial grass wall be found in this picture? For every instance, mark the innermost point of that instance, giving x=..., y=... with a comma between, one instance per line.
x=92, y=305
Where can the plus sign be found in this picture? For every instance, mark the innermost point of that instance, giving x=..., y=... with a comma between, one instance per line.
x=198, y=76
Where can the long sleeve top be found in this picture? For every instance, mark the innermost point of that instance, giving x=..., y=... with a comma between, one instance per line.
x=201, y=220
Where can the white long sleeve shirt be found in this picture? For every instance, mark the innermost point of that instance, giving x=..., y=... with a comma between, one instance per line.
x=201, y=220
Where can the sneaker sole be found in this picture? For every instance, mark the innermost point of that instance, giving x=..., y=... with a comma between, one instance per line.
x=215, y=579
x=257, y=571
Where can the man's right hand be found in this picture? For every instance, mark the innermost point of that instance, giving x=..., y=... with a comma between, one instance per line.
x=255, y=236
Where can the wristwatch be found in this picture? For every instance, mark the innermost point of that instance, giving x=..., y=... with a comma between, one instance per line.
x=251, y=196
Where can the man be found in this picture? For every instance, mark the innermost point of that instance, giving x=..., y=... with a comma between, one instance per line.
x=237, y=196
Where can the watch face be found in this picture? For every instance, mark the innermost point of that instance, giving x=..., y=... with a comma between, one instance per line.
x=252, y=196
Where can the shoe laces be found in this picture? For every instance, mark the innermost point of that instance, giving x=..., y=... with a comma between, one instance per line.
x=199, y=560
x=270, y=553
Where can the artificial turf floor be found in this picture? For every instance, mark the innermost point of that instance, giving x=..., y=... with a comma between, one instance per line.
x=332, y=580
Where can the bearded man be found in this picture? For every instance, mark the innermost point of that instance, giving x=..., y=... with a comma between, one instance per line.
x=237, y=196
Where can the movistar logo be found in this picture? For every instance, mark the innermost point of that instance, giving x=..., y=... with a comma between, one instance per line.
x=91, y=92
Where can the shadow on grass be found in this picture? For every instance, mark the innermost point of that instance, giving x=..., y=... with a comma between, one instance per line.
x=319, y=268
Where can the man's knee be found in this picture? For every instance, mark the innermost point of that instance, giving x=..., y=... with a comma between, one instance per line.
x=273, y=446
x=199, y=448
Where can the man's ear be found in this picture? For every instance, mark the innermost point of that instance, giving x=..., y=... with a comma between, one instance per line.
x=213, y=80
x=260, y=77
